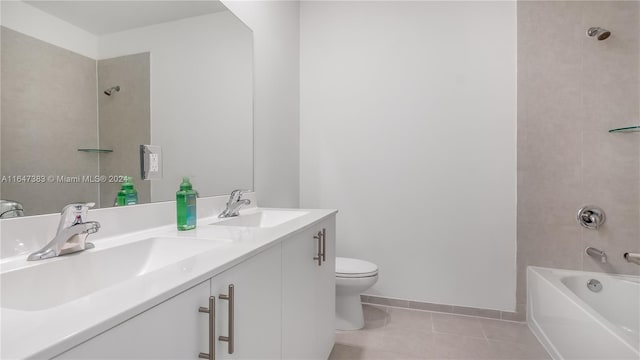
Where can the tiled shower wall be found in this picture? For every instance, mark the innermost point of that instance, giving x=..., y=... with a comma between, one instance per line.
x=49, y=110
x=571, y=90
x=125, y=122
x=49, y=107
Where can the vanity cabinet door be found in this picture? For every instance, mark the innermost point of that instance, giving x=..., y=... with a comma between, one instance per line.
x=299, y=270
x=257, y=295
x=326, y=292
x=308, y=300
x=173, y=329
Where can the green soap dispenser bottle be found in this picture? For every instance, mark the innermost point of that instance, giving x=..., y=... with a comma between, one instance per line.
x=186, y=205
x=127, y=195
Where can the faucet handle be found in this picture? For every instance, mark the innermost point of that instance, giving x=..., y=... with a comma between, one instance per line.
x=591, y=217
x=73, y=214
x=78, y=208
x=237, y=194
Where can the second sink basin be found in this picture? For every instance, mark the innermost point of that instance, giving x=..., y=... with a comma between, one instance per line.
x=262, y=218
x=60, y=280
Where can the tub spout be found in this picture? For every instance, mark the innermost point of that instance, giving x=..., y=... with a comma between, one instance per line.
x=596, y=253
x=632, y=258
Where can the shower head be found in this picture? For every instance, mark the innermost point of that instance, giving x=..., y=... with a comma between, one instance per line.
x=110, y=90
x=599, y=33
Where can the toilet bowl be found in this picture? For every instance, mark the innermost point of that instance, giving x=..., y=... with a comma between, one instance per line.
x=353, y=277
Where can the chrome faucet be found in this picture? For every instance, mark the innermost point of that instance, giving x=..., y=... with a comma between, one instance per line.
x=234, y=204
x=72, y=233
x=9, y=209
x=597, y=253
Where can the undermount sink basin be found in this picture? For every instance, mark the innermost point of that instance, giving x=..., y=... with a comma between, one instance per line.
x=262, y=218
x=55, y=282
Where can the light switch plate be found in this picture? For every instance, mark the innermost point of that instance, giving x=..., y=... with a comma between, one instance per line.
x=151, y=162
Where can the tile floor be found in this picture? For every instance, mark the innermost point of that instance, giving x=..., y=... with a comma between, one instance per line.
x=393, y=333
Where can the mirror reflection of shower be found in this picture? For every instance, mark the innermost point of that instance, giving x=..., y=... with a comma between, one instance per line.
x=111, y=90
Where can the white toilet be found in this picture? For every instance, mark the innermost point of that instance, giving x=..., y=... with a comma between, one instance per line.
x=353, y=277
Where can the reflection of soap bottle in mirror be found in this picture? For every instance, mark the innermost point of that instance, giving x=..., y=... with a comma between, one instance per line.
x=186, y=206
x=127, y=195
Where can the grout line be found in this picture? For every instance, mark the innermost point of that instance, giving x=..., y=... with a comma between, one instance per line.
x=484, y=333
x=387, y=318
x=461, y=336
x=433, y=323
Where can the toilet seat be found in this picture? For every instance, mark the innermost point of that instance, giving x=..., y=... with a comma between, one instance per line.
x=355, y=268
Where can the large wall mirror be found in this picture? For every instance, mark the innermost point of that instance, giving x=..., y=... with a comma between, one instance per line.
x=86, y=84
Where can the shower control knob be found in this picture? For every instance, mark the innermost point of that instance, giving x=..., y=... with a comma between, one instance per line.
x=591, y=217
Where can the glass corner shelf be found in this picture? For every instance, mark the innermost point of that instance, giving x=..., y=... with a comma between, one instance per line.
x=97, y=151
x=628, y=129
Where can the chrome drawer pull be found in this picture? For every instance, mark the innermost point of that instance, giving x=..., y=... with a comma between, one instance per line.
x=229, y=337
x=324, y=244
x=211, y=310
x=319, y=257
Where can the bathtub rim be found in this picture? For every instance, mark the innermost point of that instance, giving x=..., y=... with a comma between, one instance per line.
x=552, y=276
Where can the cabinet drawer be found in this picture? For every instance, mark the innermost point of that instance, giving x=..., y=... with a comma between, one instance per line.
x=173, y=329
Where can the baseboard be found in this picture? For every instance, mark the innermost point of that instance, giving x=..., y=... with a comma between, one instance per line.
x=519, y=316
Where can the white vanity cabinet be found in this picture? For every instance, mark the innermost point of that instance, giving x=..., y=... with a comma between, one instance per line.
x=308, y=293
x=283, y=307
x=177, y=329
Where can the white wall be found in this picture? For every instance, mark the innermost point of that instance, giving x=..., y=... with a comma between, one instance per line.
x=408, y=126
x=201, y=88
x=24, y=18
x=275, y=26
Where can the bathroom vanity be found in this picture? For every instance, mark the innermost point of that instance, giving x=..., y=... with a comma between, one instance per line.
x=261, y=285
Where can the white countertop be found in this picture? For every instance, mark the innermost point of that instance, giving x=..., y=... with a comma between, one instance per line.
x=49, y=332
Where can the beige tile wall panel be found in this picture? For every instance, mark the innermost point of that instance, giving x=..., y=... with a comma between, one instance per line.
x=49, y=110
x=571, y=90
x=125, y=121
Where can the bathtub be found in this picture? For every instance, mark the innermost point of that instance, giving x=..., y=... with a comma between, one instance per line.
x=573, y=322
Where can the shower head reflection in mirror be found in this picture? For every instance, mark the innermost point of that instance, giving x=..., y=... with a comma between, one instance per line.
x=111, y=90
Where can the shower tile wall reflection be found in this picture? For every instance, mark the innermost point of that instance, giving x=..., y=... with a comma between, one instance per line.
x=125, y=121
x=571, y=90
x=55, y=89
x=62, y=92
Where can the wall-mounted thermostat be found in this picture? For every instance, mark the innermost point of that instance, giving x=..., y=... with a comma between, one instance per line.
x=151, y=162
